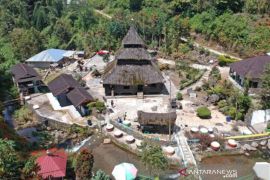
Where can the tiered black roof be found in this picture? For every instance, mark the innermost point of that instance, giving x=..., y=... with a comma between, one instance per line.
x=133, y=65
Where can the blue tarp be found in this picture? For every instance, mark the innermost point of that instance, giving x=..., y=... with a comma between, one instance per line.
x=49, y=55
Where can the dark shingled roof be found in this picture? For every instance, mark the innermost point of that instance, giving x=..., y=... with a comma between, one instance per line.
x=147, y=118
x=79, y=96
x=133, y=54
x=132, y=38
x=127, y=75
x=62, y=84
x=133, y=65
x=251, y=67
x=21, y=72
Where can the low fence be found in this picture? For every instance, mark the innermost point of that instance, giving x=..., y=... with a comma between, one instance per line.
x=141, y=136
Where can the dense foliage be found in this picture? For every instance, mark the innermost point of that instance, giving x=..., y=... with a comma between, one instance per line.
x=152, y=156
x=265, y=90
x=28, y=27
x=84, y=165
x=241, y=26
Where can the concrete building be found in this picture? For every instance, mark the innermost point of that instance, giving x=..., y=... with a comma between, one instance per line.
x=133, y=71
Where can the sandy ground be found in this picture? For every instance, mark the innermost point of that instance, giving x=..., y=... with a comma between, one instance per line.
x=188, y=116
x=130, y=106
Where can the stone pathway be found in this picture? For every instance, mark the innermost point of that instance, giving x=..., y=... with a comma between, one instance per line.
x=199, y=83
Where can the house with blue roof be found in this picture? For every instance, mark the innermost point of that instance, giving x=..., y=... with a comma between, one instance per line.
x=51, y=57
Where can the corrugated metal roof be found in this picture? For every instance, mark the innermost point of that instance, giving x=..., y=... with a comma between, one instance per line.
x=49, y=55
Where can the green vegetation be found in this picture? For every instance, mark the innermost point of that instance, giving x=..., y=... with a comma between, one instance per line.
x=231, y=102
x=84, y=165
x=187, y=74
x=100, y=175
x=203, y=112
x=224, y=60
x=265, y=89
x=179, y=96
x=14, y=164
x=239, y=26
x=23, y=115
x=98, y=105
x=153, y=157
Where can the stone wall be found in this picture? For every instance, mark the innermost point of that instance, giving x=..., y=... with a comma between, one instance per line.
x=140, y=136
x=48, y=121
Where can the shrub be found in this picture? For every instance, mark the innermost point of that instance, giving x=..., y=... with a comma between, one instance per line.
x=203, y=112
x=98, y=105
x=225, y=60
x=179, y=96
x=268, y=125
x=222, y=104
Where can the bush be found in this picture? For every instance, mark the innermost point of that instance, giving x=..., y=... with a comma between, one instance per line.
x=225, y=60
x=268, y=125
x=203, y=112
x=98, y=105
x=179, y=96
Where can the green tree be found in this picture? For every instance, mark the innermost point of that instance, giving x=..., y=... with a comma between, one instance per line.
x=153, y=157
x=100, y=175
x=265, y=88
x=84, y=165
x=9, y=160
x=30, y=168
x=26, y=43
x=135, y=5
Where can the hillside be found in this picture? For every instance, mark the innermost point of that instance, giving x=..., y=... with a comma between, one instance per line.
x=240, y=27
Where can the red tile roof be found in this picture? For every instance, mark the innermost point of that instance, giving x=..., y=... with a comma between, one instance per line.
x=52, y=164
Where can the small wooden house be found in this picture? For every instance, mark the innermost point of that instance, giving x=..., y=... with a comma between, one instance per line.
x=250, y=69
x=157, y=121
x=26, y=79
x=133, y=71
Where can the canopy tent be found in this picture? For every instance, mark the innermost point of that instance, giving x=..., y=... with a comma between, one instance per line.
x=125, y=171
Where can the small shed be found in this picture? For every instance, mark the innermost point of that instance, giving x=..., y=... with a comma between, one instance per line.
x=163, y=119
x=158, y=122
x=25, y=78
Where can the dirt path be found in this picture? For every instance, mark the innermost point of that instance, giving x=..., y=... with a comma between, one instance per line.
x=103, y=14
x=211, y=50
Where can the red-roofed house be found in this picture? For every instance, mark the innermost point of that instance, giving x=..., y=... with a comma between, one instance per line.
x=52, y=164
